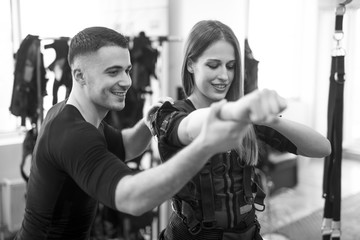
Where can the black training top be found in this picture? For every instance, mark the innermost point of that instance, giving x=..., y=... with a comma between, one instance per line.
x=74, y=165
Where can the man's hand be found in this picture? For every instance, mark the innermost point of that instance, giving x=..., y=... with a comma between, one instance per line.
x=151, y=110
x=218, y=134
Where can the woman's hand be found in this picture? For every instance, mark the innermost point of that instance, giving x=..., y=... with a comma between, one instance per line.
x=265, y=106
x=259, y=107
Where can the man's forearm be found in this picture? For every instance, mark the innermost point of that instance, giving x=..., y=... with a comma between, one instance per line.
x=136, y=139
x=146, y=190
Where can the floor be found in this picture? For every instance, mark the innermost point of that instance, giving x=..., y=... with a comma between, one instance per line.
x=289, y=205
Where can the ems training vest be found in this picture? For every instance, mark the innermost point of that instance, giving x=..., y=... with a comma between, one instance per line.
x=24, y=100
x=223, y=194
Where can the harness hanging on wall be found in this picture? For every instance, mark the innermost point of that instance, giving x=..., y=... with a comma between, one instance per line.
x=144, y=58
x=331, y=225
x=60, y=67
x=29, y=81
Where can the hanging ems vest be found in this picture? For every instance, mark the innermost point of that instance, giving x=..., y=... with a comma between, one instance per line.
x=24, y=100
x=221, y=199
x=60, y=67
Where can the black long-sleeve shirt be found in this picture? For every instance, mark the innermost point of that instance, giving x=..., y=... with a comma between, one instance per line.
x=74, y=166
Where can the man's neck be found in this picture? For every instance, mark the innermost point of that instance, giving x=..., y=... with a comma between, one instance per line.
x=89, y=112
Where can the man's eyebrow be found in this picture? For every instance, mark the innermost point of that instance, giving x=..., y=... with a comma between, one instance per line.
x=118, y=67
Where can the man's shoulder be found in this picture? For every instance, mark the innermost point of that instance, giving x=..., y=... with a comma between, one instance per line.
x=63, y=118
x=54, y=111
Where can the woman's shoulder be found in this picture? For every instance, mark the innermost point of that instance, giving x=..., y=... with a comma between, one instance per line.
x=184, y=105
x=178, y=107
x=169, y=114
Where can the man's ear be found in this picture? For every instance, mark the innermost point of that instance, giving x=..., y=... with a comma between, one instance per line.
x=189, y=66
x=79, y=76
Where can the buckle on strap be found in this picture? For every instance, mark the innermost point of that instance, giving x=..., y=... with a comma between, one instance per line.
x=189, y=218
x=249, y=199
x=259, y=197
x=248, y=196
x=194, y=228
x=208, y=224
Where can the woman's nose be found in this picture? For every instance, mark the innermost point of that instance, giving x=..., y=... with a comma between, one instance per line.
x=224, y=73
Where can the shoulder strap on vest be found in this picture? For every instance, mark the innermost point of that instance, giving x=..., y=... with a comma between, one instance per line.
x=207, y=197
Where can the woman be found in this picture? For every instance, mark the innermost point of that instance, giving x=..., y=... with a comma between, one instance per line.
x=220, y=202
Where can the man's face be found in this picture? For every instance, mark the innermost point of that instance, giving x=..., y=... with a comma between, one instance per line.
x=107, y=77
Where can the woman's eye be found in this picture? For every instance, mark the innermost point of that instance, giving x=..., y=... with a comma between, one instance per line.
x=230, y=66
x=213, y=66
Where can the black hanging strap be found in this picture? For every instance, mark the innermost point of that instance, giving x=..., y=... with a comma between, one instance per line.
x=331, y=226
x=332, y=166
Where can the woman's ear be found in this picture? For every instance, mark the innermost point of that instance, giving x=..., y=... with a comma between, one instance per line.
x=189, y=66
x=79, y=76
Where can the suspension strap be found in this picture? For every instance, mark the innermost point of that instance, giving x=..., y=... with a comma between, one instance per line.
x=332, y=166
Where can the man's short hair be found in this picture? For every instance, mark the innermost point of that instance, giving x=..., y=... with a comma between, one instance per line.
x=92, y=39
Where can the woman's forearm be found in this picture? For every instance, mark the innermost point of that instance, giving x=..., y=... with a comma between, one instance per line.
x=309, y=142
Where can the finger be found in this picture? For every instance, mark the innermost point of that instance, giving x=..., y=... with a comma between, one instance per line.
x=257, y=111
x=267, y=106
x=169, y=99
x=165, y=99
x=156, y=105
x=273, y=103
x=277, y=104
x=283, y=103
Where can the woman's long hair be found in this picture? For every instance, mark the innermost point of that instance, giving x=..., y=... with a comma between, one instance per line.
x=202, y=35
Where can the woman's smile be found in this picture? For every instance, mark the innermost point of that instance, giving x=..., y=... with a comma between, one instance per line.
x=219, y=87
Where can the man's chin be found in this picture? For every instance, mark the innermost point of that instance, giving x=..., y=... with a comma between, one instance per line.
x=118, y=107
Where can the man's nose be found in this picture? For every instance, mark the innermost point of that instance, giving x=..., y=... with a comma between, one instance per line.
x=125, y=81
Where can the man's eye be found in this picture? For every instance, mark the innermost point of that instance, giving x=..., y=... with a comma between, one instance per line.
x=113, y=72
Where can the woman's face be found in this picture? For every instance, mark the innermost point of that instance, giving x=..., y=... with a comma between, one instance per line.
x=213, y=73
